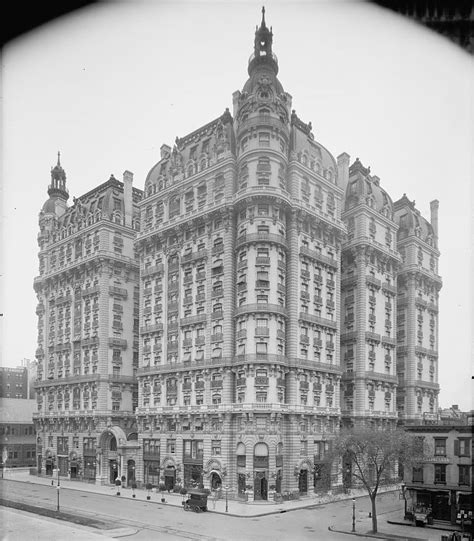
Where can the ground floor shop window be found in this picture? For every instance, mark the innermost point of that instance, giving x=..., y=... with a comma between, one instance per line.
x=152, y=473
x=89, y=468
x=193, y=475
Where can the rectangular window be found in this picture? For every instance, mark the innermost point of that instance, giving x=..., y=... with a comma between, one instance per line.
x=264, y=139
x=464, y=475
x=216, y=448
x=440, y=474
x=462, y=447
x=171, y=447
x=440, y=447
x=418, y=474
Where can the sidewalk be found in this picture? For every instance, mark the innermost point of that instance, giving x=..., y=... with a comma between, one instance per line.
x=235, y=508
x=393, y=528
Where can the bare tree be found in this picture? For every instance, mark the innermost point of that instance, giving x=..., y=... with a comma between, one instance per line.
x=374, y=456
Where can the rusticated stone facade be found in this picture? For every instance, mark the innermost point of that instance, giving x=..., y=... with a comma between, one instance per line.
x=87, y=351
x=276, y=293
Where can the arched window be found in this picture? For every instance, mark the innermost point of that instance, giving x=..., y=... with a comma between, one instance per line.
x=241, y=453
x=260, y=455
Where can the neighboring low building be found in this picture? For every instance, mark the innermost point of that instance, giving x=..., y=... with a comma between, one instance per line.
x=444, y=480
x=17, y=433
x=13, y=382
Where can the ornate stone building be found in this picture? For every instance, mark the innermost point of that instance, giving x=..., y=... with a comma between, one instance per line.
x=87, y=310
x=418, y=286
x=266, y=282
x=370, y=263
x=239, y=259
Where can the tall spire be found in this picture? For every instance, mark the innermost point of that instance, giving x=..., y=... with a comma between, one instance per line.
x=57, y=188
x=263, y=48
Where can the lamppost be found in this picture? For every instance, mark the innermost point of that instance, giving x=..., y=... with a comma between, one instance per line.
x=58, y=487
x=226, y=488
x=353, y=515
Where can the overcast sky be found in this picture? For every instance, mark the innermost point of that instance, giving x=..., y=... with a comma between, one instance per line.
x=109, y=84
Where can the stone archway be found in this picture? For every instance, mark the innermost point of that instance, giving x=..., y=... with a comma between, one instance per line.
x=111, y=461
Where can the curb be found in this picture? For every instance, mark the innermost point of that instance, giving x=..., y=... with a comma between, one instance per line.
x=378, y=535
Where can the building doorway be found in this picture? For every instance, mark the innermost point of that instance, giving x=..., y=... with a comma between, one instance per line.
x=303, y=482
x=260, y=488
x=441, y=506
x=170, y=477
x=216, y=481
x=49, y=466
x=74, y=470
x=113, y=471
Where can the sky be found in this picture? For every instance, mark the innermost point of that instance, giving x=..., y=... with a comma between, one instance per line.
x=107, y=85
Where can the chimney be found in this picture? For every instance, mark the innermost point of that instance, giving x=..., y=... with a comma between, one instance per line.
x=434, y=206
x=343, y=170
x=128, y=197
x=165, y=151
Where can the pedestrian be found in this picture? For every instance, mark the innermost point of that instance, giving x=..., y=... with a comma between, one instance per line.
x=134, y=486
x=118, y=484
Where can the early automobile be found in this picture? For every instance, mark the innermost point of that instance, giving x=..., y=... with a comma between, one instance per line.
x=196, y=501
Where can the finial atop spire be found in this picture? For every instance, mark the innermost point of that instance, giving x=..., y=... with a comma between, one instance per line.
x=263, y=15
x=59, y=159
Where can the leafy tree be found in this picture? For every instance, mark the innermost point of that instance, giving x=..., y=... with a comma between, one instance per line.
x=373, y=455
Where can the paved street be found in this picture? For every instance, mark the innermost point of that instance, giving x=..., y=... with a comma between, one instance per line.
x=150, y=520
x=19, y=526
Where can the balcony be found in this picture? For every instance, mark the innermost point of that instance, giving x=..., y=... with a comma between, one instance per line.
x=260, y=307
x=348, y=336
x=241, y=382
x=324, y=322
x=304, y=295
x=373, y=281
x=200, y=254
x=216, y=384
x=389, y=340
x=331, y=284
x=318, y=300
x=330, y=304
x=261, y=237
x=187, y=300
x=304, y=339
x=118, y=292
x=242, y=333
x=187, y=342
x=262, y=261
x=313, y=254
x=262, y=284
x=200, y=275
x=241, y=287
x=304, y=385
x=199, y=385
x=187, y=386
x=218, y=314
x=217, y=337
x=261, y=380
x=117, y=343
x=193, y=320
x=200, y=297
x=305, y=274
x=242, y=264
x=372, y=336
x=281, y=334
x=200, y=341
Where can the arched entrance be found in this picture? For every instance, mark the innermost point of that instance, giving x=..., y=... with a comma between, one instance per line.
x=303, y=482
x=216, y=481
x=110, y=441
x=170, y=477
x=130, y=472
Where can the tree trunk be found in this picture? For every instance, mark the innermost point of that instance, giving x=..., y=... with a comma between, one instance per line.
x=374, y=514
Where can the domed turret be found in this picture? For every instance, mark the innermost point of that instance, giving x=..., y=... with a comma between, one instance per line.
x=263, y=62
x=57, y=191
